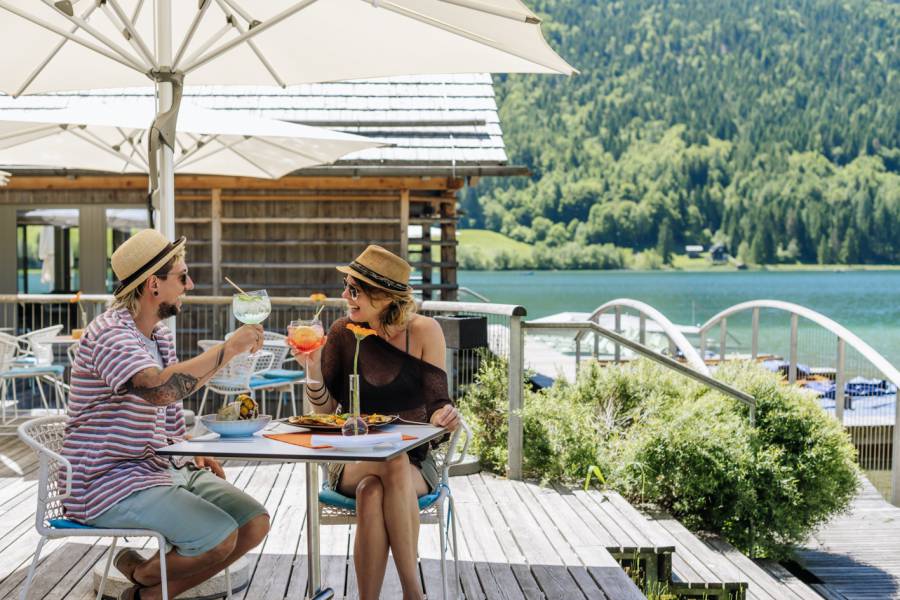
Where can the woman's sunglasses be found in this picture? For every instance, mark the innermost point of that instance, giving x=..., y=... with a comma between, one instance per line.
x=354, y=290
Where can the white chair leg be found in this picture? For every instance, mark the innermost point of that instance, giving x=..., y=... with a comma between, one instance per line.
x=443, y=550
x=109, y=559
x=278, y=400
x=40, y=388
x=227, y=583
x=294, y=400
x=164, y=583
x=456, y=579
x=37, y=556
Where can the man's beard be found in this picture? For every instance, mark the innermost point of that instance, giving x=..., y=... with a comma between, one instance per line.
x=167, y=310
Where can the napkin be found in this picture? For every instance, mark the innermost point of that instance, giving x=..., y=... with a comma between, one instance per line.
x=331, y=441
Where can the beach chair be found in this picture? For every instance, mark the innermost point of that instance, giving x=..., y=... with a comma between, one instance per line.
x=29, y=356
x=235, y=377
x=276, y=378
x=435, y=507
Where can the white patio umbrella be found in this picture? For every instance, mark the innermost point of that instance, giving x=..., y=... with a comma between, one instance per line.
x=111, y=137
x=66, y=45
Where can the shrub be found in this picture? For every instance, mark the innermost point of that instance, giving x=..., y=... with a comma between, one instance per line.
x=662, y=438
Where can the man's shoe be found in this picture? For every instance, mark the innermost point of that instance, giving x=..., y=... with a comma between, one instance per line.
x=127, y=561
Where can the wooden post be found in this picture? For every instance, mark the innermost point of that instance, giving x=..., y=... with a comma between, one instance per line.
x=448, y=251
x=404, y=224
x=839, y=377
x=92, y=250
x=10, y=261
x=754, y=335
x=516, y=396
x=723, y=340
x=215, y=247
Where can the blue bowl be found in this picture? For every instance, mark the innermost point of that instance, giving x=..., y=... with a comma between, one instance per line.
x=230, y=429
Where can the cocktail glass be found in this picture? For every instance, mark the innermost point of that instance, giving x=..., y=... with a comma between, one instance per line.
x=306, y=337
x=251, y=308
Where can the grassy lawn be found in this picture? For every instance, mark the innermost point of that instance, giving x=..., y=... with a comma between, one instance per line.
x=491, y=242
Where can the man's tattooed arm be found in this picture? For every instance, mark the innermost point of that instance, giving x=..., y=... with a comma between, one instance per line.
x=146, y=385
x=162, y=388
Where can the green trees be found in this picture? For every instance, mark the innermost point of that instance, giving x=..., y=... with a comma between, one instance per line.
x=772, y=126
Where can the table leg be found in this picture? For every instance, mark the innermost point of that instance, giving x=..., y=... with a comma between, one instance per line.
x=315, y=591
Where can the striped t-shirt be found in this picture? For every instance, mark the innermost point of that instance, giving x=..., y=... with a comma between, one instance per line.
x=112, y=436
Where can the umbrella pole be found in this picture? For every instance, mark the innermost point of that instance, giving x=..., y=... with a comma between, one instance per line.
x=165, y=223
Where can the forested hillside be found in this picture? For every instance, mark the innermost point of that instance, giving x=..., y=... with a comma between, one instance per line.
x=771, y=126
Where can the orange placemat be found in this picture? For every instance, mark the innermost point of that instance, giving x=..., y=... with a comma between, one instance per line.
x=305, y=439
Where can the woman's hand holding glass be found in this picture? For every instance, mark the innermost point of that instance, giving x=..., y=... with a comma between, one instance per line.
x=307, y=338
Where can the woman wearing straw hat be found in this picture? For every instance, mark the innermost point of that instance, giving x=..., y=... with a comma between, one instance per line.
x=125, y=403
x=401, y=372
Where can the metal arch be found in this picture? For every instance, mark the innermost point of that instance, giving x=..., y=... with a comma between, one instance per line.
x=687, y=349
x=869, y=353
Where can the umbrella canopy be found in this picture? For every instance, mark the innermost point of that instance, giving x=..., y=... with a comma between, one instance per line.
x=112, y=137
x=67, y=45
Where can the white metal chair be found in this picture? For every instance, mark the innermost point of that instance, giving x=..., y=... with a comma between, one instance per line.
x=45, y=435
x=275, y=377
x=29, y=357
x=435, y=507
x=234, y=377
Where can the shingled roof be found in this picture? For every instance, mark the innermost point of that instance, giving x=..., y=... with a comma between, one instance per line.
x=438, y=124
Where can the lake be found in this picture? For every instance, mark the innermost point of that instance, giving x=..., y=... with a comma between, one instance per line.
x=866, y=302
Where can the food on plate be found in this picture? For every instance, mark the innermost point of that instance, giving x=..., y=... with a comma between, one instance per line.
x=318, y=419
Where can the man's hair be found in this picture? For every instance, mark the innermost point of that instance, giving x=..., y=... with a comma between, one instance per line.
x=132, y=300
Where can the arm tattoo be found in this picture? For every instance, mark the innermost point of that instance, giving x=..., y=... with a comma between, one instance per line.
x=178, y=387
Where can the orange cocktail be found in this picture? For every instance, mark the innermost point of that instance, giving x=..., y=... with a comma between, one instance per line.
x=306, y=337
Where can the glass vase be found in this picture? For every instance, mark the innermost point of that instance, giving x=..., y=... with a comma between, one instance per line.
x=355, y=425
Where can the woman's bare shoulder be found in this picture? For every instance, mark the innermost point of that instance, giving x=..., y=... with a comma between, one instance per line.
x=426, y=329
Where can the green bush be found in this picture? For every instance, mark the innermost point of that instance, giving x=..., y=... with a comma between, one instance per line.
x=662, y=438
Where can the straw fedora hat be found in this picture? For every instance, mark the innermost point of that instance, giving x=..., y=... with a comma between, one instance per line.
x=142, y=255
x=380, y=268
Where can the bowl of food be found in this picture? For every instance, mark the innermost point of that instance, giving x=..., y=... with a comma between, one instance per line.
x=239, y=428
x=240, y=418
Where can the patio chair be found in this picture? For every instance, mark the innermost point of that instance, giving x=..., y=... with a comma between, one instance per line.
x=275, y=377
x=45, y=436
x=337, y=509
x=29, y=357
x=235, y=377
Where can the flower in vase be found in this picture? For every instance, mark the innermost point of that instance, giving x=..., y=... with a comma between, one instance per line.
x=76, y=299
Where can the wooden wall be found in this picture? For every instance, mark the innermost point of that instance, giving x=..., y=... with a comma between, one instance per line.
x=285, y=235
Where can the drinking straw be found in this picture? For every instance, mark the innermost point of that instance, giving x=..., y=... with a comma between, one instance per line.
x=235, y=286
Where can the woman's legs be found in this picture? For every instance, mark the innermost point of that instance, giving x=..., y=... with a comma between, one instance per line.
x=370, y=548
x=401, y=483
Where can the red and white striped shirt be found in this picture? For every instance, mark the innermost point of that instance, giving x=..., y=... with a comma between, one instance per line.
x=112, y=436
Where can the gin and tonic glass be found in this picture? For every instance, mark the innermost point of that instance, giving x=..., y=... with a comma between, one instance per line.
x=251, y=308
x=306, y=336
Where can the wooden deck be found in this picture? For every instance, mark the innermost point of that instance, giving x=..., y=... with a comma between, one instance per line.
x=856, y=556
x=512, y=544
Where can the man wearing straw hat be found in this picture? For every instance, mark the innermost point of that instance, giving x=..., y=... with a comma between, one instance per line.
x=125, y=403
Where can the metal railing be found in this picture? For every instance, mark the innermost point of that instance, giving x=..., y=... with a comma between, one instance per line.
x=825, y=353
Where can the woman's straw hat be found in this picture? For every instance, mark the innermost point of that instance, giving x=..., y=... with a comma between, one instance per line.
x=142, y=255
x=380, y=268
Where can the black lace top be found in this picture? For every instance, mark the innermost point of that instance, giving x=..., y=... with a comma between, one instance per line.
x=391, y=381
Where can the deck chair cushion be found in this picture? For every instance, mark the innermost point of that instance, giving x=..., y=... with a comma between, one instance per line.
x=333, y=498
x=283, y=374
x=67, y=524
x=32, y=371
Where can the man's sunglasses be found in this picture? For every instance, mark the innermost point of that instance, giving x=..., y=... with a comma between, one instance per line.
x=354, y=290
x=182, y=277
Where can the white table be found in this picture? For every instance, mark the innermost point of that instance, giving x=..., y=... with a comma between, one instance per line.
x=262, y=448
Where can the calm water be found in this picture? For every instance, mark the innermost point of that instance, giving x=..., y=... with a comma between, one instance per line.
x=866, y=302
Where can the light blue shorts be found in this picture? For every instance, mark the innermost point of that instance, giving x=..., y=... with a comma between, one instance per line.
x=195, y=514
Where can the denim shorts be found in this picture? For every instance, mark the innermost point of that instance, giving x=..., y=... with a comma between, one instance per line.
x=195, y=514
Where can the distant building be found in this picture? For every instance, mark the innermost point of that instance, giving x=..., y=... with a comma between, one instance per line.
x=693, y=250
x=718, y=253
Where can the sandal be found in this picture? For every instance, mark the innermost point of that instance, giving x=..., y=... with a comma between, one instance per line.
x=131, y=593
x=128, y=556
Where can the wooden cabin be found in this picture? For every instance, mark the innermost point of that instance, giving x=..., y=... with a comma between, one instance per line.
x=286, y=235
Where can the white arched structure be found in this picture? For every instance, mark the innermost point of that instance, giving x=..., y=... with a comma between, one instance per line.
x=645, y=311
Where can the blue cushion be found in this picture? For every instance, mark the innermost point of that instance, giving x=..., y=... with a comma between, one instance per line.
x=282, y=373
x=259, y=382
x=34, y=371
x=67, y=524
x=333, y=498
